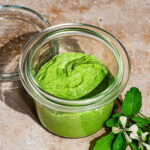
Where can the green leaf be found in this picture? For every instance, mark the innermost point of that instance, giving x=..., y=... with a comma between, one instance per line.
x=140, y=131
x=132, y=103
x=114, y=121
x=137, y=119
x=119, y=143
x=141, y=122
x=117, y=115
x=110, y=122
x=148, y=139
x=117, y=121
x=134, y=146
x=141, y=125
x=105, y=142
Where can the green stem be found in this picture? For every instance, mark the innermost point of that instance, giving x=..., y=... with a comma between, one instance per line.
x=144, y=116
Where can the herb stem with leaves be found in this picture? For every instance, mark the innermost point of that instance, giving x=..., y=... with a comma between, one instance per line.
x=129, y=128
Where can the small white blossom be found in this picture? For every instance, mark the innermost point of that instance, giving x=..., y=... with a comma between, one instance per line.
x=116, y=130
x=146, y=146
x=144, y=135
x=123, y=120
x=133, y=128
x=135, y=136
x=128, y=139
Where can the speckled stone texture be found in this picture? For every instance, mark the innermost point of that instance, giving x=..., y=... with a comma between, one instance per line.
x=128, y=20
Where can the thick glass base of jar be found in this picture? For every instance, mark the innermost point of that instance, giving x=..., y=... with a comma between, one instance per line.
x=73, y=125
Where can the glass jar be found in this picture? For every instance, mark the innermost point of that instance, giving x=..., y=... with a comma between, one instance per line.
x=74, y=118
x=17, y=25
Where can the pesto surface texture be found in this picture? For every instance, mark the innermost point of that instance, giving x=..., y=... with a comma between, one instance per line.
x=73, y=75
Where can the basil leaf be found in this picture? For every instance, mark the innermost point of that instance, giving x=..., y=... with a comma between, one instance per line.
x=105, y=142
x=119, y=143
x=132, y=103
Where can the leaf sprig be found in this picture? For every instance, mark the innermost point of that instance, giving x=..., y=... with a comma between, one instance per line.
x=129, y=128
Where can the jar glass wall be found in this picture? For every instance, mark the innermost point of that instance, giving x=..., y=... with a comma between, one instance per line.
x=82, y=117
x=18, y=24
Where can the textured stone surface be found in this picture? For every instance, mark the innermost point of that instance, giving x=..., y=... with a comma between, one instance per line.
x=127, y=19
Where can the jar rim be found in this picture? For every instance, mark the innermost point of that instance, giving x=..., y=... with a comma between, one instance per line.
x=102, y=99
x=14, y=76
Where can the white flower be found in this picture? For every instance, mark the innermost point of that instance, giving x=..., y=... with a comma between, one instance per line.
x=146, y=146
x=133, y=128
x=116, y=130
x=144, y=135
x=123, y=120
x=135, y=136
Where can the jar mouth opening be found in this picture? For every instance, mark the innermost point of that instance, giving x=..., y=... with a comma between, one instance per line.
x=9, y=13
x=101, y=98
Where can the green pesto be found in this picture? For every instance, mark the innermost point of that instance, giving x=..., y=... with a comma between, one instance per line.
x=73, y=125
x=74, y=76
x=71, y=75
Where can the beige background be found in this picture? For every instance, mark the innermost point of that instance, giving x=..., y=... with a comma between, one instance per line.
x=129, y=20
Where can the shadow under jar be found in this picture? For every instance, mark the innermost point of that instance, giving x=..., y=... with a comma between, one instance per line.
x=81, y=117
